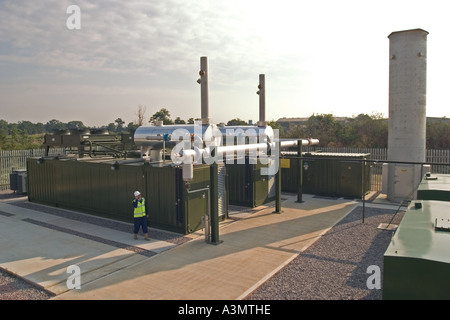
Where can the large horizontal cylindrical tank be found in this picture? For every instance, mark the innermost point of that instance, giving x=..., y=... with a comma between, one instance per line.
x=167, y=136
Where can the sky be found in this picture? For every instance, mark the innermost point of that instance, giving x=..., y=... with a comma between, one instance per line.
x=318, y=57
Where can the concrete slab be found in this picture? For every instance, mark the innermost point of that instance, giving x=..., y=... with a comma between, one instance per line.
x=252, y=248
x=40, y=247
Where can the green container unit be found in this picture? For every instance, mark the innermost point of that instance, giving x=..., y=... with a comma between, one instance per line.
x=247, y=187
x=99, y=188
x=174, y=204
x=88, y=186
x=335, y=174
x=434, y=187
x=416, y=264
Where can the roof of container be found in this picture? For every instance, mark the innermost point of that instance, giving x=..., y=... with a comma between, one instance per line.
x=435, y=182
x=416, y=236
x=410, y=30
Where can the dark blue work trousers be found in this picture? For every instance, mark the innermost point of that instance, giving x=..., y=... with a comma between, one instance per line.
x=140, y=222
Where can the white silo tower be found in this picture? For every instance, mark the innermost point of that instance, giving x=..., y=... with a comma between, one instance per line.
x=407, y=111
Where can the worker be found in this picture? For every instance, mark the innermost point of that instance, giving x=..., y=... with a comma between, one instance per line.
x=140, y=218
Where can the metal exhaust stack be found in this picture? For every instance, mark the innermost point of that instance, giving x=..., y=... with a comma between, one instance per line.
x=262, y=101
x=204, y=90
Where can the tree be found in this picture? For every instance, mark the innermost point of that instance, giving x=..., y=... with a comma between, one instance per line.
x=4, y=127
x=54, y=124
x=141, y=115
x=236, y=122
x=438, y=134
x=161, y=115
x=131, y=127
x=111, y=127
x=365, y=131
x=325, y=128
x=179, y=121
x=294, y=131
x=276, y=126
x=75, y=125
x=120, y=123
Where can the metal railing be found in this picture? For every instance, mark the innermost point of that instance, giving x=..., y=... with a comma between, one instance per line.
x=17, y=160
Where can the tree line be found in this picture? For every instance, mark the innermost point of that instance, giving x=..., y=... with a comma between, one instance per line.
x=362, y=131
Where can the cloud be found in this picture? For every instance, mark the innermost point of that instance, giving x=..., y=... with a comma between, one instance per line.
x=122, y=36
x=318, y=56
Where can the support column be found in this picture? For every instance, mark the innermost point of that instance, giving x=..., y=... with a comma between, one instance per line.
x=300, y=172
x=278, y=183
x=214, y=218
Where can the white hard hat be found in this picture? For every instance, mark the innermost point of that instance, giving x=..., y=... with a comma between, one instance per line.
x=136, y=193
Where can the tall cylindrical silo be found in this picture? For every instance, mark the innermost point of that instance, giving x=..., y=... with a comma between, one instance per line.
x=407, y=110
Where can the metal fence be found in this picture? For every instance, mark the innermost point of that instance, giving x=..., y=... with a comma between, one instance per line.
x=11, y=160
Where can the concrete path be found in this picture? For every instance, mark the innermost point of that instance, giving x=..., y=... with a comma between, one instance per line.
x=41, y=247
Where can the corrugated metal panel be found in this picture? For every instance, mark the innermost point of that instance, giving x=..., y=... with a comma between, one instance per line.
x=239, y=184
x=332, y=174
x=289, y=174
x=221, y=192
x=93, y=187
x=87, y=186
x=162, y=184
x=196, y=201
x=41, y=185
x=260, y=186
x=247, y=186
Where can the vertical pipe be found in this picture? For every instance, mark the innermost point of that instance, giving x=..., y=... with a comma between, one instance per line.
x=300, y=172
x=363, y=165
x=262, y=100
x=214, y=203
x=278, y=183
x=204, y=90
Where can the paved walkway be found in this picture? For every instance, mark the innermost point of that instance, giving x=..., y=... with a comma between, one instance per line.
x=40, y=246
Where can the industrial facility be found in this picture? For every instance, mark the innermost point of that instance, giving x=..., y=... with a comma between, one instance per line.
x=191, y=174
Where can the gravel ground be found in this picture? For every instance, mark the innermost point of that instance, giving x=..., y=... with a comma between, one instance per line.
x=335, y=266
x=332, y=268
x=15, y=288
